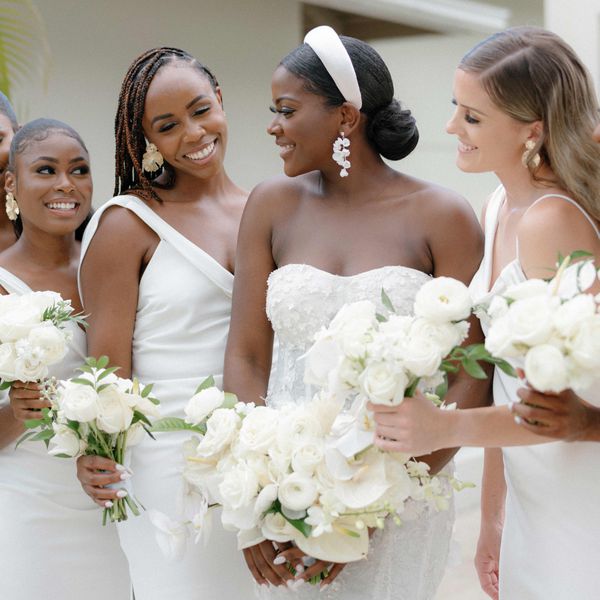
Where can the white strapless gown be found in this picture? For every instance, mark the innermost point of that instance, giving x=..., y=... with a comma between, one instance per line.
x=52, y=542
x=551, y=538
x=179, y=339
x=404, y=563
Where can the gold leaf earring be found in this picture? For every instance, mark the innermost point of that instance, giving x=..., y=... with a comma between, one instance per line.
x=527, y=157
x=12, y=208
x=152, y=160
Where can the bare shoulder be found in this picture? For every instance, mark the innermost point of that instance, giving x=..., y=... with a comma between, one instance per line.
x=273, y=196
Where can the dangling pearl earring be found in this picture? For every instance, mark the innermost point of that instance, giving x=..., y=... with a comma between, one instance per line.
x=341, y=151
x=152, y=160
x=12, y=208
x=535, y=159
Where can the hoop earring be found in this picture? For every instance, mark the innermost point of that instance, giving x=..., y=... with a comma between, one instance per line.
x=12, y=208
x=341, y=151
x=527, y=155
x=152, y=160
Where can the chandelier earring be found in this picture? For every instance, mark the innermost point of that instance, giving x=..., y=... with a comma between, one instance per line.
x=152, y=160
x=341, y=151
x=527, y=155
x=12, y=208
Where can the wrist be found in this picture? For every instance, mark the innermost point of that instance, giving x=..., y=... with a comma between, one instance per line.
x=592, y=431
x=450, y=434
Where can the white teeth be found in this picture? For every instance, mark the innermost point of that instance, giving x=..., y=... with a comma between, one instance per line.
x=61, y=205
x=465, y=147
x=202, y=153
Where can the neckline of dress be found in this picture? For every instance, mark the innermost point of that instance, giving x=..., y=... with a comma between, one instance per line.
x=355, y=275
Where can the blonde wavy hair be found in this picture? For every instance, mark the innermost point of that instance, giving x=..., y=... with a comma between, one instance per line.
x=532, y=74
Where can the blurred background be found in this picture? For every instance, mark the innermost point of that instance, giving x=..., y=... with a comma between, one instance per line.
x=66, y=59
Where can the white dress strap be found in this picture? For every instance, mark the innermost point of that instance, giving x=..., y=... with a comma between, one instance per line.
x=574, y=203
x=12, y=284
x=203, y=261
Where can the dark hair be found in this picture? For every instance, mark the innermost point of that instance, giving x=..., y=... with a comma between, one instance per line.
x=37, y=131
x=130, y=143
x=391, y=130
x=7, y=110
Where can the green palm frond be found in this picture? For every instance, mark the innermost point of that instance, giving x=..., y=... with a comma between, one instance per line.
x=24, y=48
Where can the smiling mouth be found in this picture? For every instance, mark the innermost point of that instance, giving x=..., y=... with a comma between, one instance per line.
x=62, y=205
x=462, y=147
x=285, y=149
x=201, y=154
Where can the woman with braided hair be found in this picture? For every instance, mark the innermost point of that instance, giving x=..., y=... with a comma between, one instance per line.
x=156, y=278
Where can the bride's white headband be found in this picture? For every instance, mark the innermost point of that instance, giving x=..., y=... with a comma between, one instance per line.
x=335, y=58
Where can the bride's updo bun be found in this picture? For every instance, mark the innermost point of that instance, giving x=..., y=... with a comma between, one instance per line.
x=391, y=130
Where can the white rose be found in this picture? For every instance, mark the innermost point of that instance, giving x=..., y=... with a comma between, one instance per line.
x=297, y=492
x=202, y=404
x=29, y=365
x=575, y=279
x=275, y=527
x=18, y=321
x=51, y=340
x=239, y=486
x=114, y=412
x=498, y=307
x=545, y=369
x=143, y=405
x=444, y=335
x=443, y=299
x=499, y=340
x=296, y=427
x=424, y=356
x=352, y=326
x=65, y=441
x=570, y=315
x=307, y=457
x=585, y=345
x=259, y=429
x=530, y=320
x=221, y=428
x=78, y=402
x=383, y=384
x=322, y=357
x=8, y=358
x=527, y=289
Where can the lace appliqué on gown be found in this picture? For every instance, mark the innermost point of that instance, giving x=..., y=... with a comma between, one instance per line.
x=404, y=563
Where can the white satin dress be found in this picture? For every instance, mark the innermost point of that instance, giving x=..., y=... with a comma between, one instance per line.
x=181, y=327
x=406, y=562
x=551, y=537
x=52, y=542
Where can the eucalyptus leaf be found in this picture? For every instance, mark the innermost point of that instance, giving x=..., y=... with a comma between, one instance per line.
x=385, y=300
x=207, y=383
x=473, y=368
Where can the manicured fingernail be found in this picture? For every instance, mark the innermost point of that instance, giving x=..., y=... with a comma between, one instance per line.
x=279, y=560
x=108, y=504
x=120, y=467
x=510, y=406
x=125, y=475
x=518, y=420
x=299, y=569
x=121, y=493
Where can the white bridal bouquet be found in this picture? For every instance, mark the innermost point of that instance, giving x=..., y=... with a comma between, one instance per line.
x=550, y=328
x=280, y=474
x=33, y=335
x=96, y=413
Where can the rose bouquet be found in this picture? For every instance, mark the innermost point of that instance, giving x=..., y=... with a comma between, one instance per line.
x=282, y=474
x=550, y=328
x=96, y=413
x=33, y=335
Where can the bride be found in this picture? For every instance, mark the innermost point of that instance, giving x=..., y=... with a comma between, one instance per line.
x=336, y=231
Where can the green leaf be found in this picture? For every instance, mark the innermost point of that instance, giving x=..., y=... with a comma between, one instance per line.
x=146, y=391
x=304, y=528
x=107, y=372
x=102, y=362
x=91, y=362
x=385, y=300
x=175, y=424
x=473, y=368
x=505, y=366
x=442, y=389
x=24, y=437
x=33, y=423
x=230, y=400
x=410, y=390
x=102, y=387
x=476, y=352
x=82, y=381
x=45, y=434
x=381, y=318
x=579, y=254
x=207, y=383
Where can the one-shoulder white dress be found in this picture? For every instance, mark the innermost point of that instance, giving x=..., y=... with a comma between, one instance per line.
x=551, y=538
x=180, y=332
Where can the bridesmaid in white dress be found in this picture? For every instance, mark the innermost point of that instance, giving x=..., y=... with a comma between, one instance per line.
x=52, y=544
x=157, y=278
x=526, y=110
x=8, y=126
x=319, y=238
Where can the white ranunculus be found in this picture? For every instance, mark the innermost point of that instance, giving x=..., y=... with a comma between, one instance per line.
x=571, y=314
x=51, y=340
x=498, y=307
x=530, y=320
x=527, y=289
x=239, y=486
x=499, y=340
x=444, y=335
x=221, y=428
x=322, y=357
x=383, y=383
x=265, y=499
x=297, y=426
x=585, y=345
x=65, y=441
x=545, y=369
x=297, y=492
x=442, y=300
x=424, y=356
x=275, y=527
x=114, y=412
x=307, y=457
x=259, y=429
x=8, y=358
x=78, y=402
x=202, y=404
x=170, y=535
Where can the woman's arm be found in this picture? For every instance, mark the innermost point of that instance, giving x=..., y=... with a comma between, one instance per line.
x=10, y=428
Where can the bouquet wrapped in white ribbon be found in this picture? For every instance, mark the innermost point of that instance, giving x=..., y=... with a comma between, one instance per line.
x=99, y=414
x=33, y=335
x=550, y=328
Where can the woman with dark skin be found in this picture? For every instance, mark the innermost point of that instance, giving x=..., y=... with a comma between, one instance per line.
x=47, y=522
x=320, y=240
x=156, y=278
x=8, y=127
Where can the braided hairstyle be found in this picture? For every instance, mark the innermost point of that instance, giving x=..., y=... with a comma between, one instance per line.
x=130, y=143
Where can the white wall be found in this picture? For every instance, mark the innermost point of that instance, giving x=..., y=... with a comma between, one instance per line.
x=94, y=42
